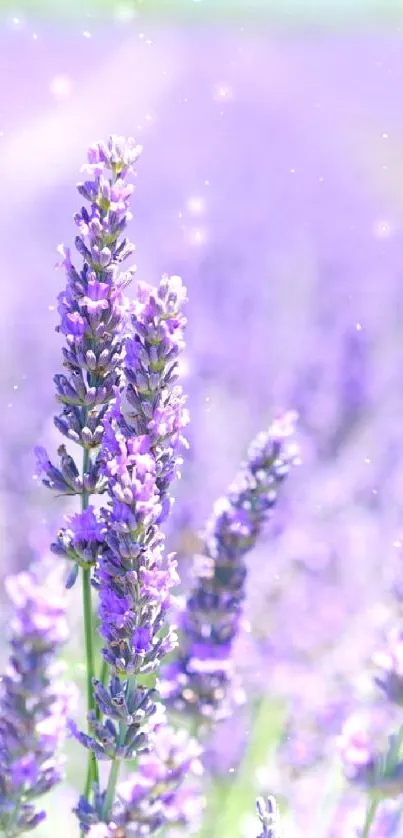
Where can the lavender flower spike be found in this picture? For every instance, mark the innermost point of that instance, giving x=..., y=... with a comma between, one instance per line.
x=156, y=407
x=92, y=312
x=140, y=456
x=199, y=679
x=33, y=704
x=164, y=791
x=93, y=317
x=268, y=815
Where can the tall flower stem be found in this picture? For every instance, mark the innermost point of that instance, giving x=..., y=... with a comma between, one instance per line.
x=113, y=778
x=92, y=772
x=111, y=787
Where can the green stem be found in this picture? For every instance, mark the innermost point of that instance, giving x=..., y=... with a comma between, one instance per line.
x=103, y=677
x=113, y=777
x=92, y=772
x=110, y=789
x=104, y=672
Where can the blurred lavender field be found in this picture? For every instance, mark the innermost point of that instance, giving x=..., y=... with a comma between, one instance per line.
x=271, y=180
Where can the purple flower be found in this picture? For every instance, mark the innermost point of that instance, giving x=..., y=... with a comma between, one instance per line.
x=33, y=704
x=165, y=789
x=86, y=526
x=357, y=749
x=154, y=407
x=200, y=677
x=369, y=761
x=82, y=539
x=92, y=311
x=139, y=457
x=134, y=578
x=134, y=575
x=24, y=771
x=389, y=667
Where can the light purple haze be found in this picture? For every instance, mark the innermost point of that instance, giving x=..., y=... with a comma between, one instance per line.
x=271, y=180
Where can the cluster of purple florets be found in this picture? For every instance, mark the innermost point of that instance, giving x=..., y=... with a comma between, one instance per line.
x=122, y=406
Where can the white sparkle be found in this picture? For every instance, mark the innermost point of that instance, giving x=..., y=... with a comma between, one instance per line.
x=16, y=22
x=196, y=206
x=358, y=327
x=367, y=460
x=222, y=92
x=197, y=237
x=397, y=543
x=60, y=86
x=34, y=36
x=383, y=228
x=87, y=34
x=385, y=136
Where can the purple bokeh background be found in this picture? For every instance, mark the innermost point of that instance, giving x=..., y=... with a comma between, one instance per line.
x=271, y=180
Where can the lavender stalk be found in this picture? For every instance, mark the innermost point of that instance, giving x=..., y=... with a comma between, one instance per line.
x=199, y=680
x=92, y=318
x=140, y=457
x=162, y=792
x=33, y=703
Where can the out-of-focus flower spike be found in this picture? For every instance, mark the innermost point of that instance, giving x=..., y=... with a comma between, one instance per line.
x=33, y=702
x=199, y=680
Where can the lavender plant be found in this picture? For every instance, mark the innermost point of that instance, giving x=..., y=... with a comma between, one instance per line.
x=91, y=310
x=134, y=576
x=33, y=702
x=116, y=350
x=122, y=407
x=199, y=680
x=163, y=791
